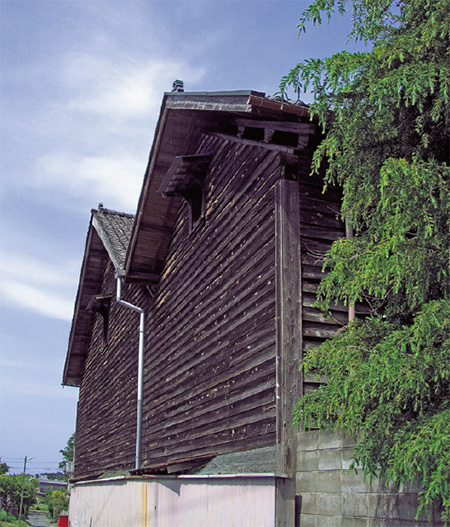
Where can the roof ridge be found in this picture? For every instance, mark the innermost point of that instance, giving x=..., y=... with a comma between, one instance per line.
x=104, y=210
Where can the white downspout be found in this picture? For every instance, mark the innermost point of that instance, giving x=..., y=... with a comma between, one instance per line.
x=119, y=275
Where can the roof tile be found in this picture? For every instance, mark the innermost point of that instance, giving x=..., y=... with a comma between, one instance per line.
x=114, y=228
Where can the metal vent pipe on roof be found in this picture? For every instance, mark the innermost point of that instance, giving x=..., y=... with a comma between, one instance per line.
x=119, y=275
x=178, y=86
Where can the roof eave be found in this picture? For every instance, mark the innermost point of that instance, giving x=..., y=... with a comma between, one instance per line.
x=71, y=377
x=190, y=110
x=98, y=249
x=144, y=190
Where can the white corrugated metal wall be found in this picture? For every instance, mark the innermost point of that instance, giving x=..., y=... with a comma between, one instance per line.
x=183, y=501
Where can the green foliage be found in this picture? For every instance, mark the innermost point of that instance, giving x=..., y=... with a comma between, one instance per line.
x=68, y=453
x=385, y=113
x=400, y=261
x=11, y=488
x=9, y=520
x=389, y=387
x=57, y=502
x=4, y=468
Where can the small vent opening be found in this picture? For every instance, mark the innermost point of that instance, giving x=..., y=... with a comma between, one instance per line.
x=254, y=134
x=285, y=138
x=195, y=199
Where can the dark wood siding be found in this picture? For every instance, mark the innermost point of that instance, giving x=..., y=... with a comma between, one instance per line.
x=106, y=418
x=320, y=226
x=210, y=361
x=210, y=342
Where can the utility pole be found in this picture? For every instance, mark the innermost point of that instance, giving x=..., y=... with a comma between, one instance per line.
x=23, y=486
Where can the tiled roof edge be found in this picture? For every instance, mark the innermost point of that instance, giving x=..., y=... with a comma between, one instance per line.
x=101, y=208
x=105, y=236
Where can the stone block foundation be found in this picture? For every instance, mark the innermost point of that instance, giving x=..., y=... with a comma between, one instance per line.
x=333, y=496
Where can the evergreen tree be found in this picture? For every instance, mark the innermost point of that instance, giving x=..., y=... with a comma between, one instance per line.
x=385, y=113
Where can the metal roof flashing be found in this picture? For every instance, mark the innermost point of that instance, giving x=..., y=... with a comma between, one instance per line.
x=239, y=101
x=221, y=101
x=222, y=93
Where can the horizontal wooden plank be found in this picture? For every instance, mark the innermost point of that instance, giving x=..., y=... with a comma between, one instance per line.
x=323, y=331
x=244, y=437
x=219, y=417
x=209, y=380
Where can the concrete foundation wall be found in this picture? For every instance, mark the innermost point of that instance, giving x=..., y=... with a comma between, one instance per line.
x=332, y=496
x=183, y=501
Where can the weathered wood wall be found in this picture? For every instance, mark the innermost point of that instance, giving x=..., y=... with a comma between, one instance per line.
x=106, y=417
x=320, y=226
x=210, y=374
x=210, y=343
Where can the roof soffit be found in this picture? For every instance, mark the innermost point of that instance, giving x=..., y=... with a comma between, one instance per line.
x=94, y=260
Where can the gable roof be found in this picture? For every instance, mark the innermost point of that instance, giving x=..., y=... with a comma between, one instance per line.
x=139, y=245
x=184, y=118
x=108, y=238
x=114, y=229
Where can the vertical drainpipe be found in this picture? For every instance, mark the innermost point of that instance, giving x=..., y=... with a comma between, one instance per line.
x=119, y=275
x=349, y=235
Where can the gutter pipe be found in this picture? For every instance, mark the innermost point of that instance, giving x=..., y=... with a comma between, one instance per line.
x=120, y=273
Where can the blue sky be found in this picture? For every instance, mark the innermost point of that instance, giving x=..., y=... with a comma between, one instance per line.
x=81, y=87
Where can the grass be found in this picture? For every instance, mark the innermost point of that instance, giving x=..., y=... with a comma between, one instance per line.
x=8, y=520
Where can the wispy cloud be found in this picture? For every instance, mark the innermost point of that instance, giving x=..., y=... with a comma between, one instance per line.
x=36, y=389
x=114, y=180
x=106, y=122
x=121, y=91
x=31, y=297
x=53, y=274
x=37, y=286
x=10, y=363
x=46, y=303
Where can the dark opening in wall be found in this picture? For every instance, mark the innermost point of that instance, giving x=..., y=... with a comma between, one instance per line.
x=285, y=138
x=254, y=134
x=194, y=196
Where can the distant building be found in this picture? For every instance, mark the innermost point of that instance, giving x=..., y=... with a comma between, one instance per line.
x=48, y=484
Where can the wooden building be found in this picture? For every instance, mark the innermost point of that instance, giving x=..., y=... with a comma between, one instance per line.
x=222, y=260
